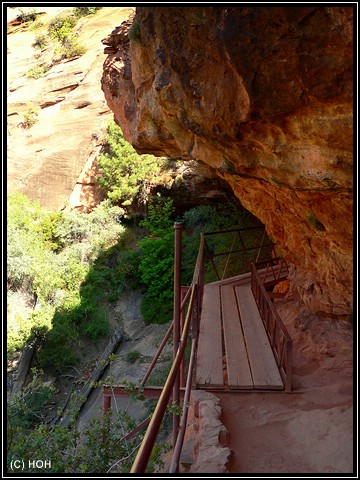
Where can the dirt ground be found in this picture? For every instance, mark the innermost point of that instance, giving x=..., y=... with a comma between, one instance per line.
x=309, y=430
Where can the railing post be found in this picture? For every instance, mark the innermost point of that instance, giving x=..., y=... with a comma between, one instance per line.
x=182, y=320
x=106, y=403
x=176, y=330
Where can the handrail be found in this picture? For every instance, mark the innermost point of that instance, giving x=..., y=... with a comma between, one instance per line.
x=279, y=337
x=245, y=250
x=193, y=298
x=182, y=427
x=145, y=449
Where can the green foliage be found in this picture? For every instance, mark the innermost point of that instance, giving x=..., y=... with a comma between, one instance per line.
x=62, y=260
x=30, y=117
x=98, y=448
x=157, y=251
x=36, y=72
x=314, y=222
x=156, y=265
x=132, y=356
x=134, y=32
x=157, y=273
x=27, y=15
x=27, y=409
x=159, y=218
x=61, y=29
x=70, y=48
x=124, y=173
x=41, y=40
x=84, y=11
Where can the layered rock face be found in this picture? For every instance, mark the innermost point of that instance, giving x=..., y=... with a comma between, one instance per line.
x=263, y=95
x=54, y=161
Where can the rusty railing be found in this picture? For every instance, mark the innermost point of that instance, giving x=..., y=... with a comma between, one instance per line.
x=185, y=325
x=192, y=298
x=279, y=337
x=242, y=246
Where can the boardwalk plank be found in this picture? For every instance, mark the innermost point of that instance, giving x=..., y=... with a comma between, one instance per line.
x=239, y=375
x=264, y=370
x=209, y=369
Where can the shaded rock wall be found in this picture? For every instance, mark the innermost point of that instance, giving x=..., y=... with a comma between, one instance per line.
x=264, y=96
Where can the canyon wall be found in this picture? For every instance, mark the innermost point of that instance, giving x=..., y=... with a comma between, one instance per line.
x=54, y=160
x=263, y=95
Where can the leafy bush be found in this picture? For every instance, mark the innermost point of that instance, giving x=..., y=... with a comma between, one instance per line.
x=30, y=117
x=84, y=11
x=27, y=15
x=123, y=171
x=71, y=48
x=99, y=448
x=60, y=27
x=58, y=258
x=41, y=40
x=159, y=217
x=134, y=32
x=132, y=356
x=36, y=72
x=157, y=250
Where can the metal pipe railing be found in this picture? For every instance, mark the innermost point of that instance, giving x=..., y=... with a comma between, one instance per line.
x=157, y=354
x=274, y=327
x=182, y=426
x=194, y=296
x=177, y=314
x=148, y=442
x=247, y=251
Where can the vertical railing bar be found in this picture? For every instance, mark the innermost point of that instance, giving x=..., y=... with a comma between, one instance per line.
x=180, y=439
x=262, y=241
x=147, y=444
x=275, y=328
x=176, y=329
x=158, y=353
x=228, y=258
x=243, y=245
x=211, y=260
x=182, y=319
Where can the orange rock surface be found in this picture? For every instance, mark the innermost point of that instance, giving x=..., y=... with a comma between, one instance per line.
x=53, y=161
x=264, y=96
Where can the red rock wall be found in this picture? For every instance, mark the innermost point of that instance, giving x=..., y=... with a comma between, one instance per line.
x=264, y=96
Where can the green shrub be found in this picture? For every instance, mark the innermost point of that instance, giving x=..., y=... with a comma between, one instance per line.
x=123, y=172
x=134, y=32
x=314, y=222
x=62, y=260
x=71, y=48
x=41, y=40
x=96, y=449
x=36, y=72
x=35, y=25
x=30, y=117
x=159, y=219
x=84, y=11
x=28, y=410
x=27, y=15
x=132, y=356
x=60, y=27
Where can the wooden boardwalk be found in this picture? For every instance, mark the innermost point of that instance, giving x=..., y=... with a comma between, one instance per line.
x=234, y=352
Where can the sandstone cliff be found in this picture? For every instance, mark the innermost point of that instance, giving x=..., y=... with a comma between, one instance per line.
x=264, y=96
x=54, y=160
